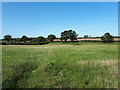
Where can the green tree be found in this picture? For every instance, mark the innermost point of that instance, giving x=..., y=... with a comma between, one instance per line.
x=8, y=38
x=73, y=35
x=107, y=38
x=69, y=34
x=64, y=35
x=51, y=37
x=24, y=38
x=41, y=39
x=86, y=36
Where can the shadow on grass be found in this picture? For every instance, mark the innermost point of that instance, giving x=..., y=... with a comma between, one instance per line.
x=19, y=71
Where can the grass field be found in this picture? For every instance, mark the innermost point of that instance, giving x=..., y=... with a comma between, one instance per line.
x=61, y=65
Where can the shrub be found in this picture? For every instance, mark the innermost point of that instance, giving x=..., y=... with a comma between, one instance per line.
x=107, y=38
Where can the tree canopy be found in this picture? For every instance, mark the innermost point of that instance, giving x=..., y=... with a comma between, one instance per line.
x=69, y=34
x=24, y=38
x=8, y=37
x=107, y=37
x=51, y=37
x=41, y=39
x=65, y=35
x=86, y=36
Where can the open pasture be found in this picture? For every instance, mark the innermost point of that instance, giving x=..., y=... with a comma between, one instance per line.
x=58, y=65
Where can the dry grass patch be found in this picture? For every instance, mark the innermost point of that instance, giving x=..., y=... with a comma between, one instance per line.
x=101, y=62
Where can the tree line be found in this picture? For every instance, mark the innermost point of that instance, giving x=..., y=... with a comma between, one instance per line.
x=65, y=35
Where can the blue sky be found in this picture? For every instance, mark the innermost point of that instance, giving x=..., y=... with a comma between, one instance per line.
x=43, y=18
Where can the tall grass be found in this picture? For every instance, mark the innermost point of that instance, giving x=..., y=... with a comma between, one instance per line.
x=78, y=66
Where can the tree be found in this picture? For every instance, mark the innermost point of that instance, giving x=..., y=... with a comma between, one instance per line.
x=64, y=35
x=68, y=35
x=51, y=37
x=107, y=38
x=86, y=36
x=73, y=35
x=41, y=39
x=24, y=38
x=8, y=37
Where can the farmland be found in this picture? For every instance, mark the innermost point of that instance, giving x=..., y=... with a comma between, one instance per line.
x=60, y=65
x=88, y=39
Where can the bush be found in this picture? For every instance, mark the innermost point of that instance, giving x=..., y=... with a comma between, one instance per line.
x=22, y=43
x=107, y=38
x=4, y=43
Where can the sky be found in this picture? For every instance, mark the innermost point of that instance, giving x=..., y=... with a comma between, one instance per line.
x=35, y=19
x=60, y=0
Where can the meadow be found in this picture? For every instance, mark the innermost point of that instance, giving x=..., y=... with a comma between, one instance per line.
x=60, y=65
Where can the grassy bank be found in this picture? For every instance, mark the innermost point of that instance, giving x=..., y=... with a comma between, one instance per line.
x=83, y=43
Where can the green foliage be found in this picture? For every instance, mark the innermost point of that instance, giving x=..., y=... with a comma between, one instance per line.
x=107, y=38
x=68, y=35
x=14, y=39
x=51, y=37
x=33, y=39
x=8, y=37
x=64, y=35
x=24, y=38
x=86, y=36
x=4, y=43
x=41, y=39
x=73, y=35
